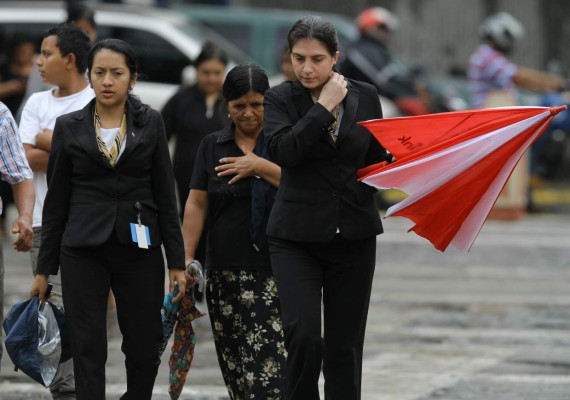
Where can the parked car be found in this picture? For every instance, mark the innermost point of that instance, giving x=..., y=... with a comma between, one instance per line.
x=261, y=32
x=164, y=41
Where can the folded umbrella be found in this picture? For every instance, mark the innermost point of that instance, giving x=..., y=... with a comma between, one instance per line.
x=453, y=166
x=169, y=314
x=177, y=317
x=36, y=339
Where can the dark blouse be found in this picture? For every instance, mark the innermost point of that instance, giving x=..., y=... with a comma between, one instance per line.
x=229, y=244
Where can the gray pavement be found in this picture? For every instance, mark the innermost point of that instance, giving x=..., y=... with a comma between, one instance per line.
x=492, y=324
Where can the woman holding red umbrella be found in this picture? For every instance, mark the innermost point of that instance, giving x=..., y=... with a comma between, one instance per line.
x=323, y=226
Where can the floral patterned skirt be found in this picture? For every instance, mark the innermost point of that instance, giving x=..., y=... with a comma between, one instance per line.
x=246, y=321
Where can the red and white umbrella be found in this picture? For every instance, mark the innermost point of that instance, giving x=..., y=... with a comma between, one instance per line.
x=453, y=166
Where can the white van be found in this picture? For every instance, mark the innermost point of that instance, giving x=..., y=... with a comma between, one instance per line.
x=165, y=42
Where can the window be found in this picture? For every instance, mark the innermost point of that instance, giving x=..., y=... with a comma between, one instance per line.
x=159, y=60
x=238, y=34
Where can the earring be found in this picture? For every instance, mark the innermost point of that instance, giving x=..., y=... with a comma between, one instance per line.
x=228, y=115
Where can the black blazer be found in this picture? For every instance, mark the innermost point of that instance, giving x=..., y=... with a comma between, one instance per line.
x=87, y=199
x=319, y=192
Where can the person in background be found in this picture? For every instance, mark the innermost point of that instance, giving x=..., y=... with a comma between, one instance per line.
x=78, y=13
x=14, y=74
x=62, y=63
x=370, y=59
x=494, y=79
x=15, y=170
x=194, y=112
x=83, y=16
x=191, y=114
x=492, y=76
x=323, y=225
x=110, y=206
x=287, y=66
x=15, y=71
x=232, y=188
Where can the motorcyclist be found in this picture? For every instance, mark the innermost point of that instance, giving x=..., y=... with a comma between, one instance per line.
x=370, y=59
x=493, y=78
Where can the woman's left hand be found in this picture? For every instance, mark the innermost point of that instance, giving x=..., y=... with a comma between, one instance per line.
x=242, y=167
x=39, y=287
x=176, y=275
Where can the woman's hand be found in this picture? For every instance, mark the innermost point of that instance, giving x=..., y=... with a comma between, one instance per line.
x=333, y=92
x=241, y=167
x=39, y=287
x=176, y=275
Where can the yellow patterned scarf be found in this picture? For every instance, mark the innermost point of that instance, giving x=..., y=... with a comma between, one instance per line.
x=111, y=154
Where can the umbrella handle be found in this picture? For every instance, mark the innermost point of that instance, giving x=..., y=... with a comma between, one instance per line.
x=558, y=109
x=195, y=269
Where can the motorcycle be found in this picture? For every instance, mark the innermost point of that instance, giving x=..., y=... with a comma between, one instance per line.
x=551, y=152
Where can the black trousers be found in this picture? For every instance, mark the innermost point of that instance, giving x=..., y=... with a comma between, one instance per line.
x=136, y=277
x=341, y=271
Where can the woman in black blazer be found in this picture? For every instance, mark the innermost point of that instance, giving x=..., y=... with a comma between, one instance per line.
x=323, y=226
x=110, y=205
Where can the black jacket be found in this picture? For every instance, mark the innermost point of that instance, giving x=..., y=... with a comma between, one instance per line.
x=87, y=199
x=184, y=117
x=319, y=192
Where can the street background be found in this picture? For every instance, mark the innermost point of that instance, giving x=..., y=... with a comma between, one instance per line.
x=492, y=324
x=441, y=34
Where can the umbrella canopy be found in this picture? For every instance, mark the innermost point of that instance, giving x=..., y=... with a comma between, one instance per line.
x=453, y=166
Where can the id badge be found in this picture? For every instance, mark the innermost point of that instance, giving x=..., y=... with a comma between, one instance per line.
x=140, y=235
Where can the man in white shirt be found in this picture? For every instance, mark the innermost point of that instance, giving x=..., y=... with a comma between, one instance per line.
x=62, y=62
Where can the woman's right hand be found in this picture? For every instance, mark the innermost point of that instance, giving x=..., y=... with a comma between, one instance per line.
x=39, y=287
x=333, y=92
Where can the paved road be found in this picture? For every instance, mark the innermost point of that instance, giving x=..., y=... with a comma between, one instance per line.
x=493, y=324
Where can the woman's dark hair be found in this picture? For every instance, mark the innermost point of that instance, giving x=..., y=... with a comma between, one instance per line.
x=140, y=111
x=71, y=40
x=314, y=27
x=81, y=12
x=243, y=79
x=210, y=51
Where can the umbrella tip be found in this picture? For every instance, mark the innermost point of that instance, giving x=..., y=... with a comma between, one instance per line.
x=556, y=110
